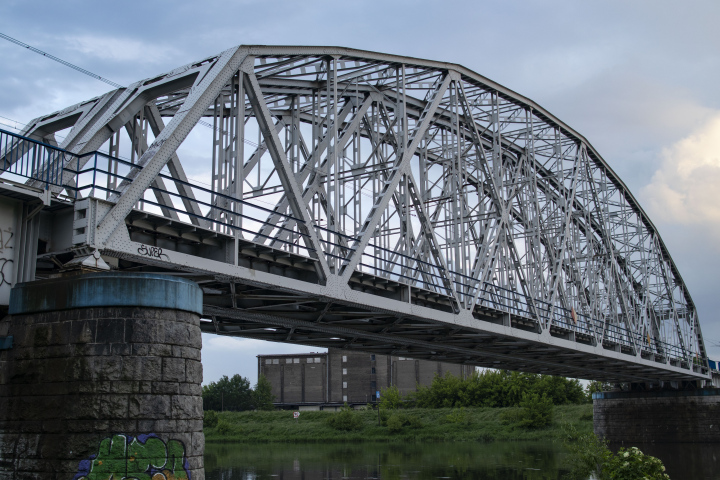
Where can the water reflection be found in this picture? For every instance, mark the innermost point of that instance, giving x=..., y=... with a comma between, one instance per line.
x=442, y=461
x=456, y=461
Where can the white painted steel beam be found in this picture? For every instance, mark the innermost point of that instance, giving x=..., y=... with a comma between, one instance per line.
x=408, y=189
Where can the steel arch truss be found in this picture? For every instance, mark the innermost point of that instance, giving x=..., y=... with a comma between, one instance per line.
x=375, y=202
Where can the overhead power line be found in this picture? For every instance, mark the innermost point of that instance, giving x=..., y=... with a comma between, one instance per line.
x=59, y=60
x=86, y=72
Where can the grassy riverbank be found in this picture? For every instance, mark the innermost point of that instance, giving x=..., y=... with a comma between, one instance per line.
x=422, y=425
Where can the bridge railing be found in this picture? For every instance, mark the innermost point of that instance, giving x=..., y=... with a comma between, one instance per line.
x=105, y=177
x=516, y=303
x=424, y=275
x=24, y=158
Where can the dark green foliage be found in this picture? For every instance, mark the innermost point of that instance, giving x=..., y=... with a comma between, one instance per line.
x=630, y=464
x=210, y=419
x=346, y=419
x=226, y=428
x=535, y=411
x=235, y=395
x=596, y=386
x=510, y=416
x=390, y=398
x=590, y=455
x=262, y=395
x=394, y=424
x=418, y=425
x=587, y=453
x=228, y=394
x=384, y=415
x=560, y=390
x=587, y=416
x=398, y=420
x=497, y=388
x=458, y=415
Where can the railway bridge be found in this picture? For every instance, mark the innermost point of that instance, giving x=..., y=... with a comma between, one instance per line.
x=329, y=197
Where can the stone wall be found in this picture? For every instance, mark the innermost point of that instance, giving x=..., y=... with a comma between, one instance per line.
x=658, y=417
x=105, y=390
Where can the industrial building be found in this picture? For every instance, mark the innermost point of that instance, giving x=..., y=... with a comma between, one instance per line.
x=320, y=380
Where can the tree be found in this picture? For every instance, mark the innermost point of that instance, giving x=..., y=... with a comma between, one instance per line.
x=232, y=394
x=536, y=411
x=262, y=395
x=595, y=387
x=346, y=419
x=497, y=388
x=560, y=390
x=390, y=398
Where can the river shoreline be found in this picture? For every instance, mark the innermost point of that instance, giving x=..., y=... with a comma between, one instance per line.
x=425, y=425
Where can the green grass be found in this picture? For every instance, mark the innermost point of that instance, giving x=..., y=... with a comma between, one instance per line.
x=429, y=425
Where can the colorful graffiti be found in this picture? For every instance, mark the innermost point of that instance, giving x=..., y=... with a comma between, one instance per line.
x=145, y=457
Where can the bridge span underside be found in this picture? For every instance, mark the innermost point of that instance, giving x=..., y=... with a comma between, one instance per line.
x=336, y=197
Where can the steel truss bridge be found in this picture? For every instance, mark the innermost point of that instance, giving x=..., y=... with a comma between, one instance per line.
x=342, y=198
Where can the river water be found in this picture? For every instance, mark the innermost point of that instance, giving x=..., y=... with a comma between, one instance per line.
x=441, y=461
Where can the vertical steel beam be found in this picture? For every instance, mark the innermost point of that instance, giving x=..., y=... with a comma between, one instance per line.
x=284, y=170
x=395, y=176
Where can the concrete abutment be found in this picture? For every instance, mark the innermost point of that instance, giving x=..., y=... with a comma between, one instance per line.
x=103, y=377
x=665, y=416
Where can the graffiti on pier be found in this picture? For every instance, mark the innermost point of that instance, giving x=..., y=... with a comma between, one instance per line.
x=145, y=457
x=6, y=238
x=5, y=274
x=6, y=254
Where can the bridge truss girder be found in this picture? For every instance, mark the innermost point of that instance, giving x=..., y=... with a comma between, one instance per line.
x=384, y=199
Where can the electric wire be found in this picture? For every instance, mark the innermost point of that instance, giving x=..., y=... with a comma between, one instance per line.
x=59, y=60
x=81, y=70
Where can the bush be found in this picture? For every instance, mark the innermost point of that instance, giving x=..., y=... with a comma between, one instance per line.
x=586, y=417
x=631, y=464
x=346, y=419
x=397, y=421
x=210, y=419
x=587, y=454
x=394, y=424
x=590, y=455
x=412, y=421
x=458, y=416
x=511, y=416
x=262, y=395
x=496, y=388
x=226, y=428
x=535, y=411
x=390, y=398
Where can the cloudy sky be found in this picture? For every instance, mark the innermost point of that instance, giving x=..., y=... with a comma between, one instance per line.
x=639, y=79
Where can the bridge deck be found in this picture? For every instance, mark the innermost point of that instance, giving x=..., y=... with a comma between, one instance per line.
x=385, y=317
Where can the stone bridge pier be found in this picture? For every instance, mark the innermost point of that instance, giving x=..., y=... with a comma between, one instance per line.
x=663, y=416
x=103, y=379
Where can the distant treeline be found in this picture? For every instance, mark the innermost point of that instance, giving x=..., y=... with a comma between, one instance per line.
x=490, y=388
x=235, y=394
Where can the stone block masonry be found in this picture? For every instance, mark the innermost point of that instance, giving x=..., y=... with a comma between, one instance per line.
x=103, y=391
x=658, y=417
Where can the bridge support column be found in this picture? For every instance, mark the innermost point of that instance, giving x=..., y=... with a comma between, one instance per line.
x=102, y=379
x=665, y=416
